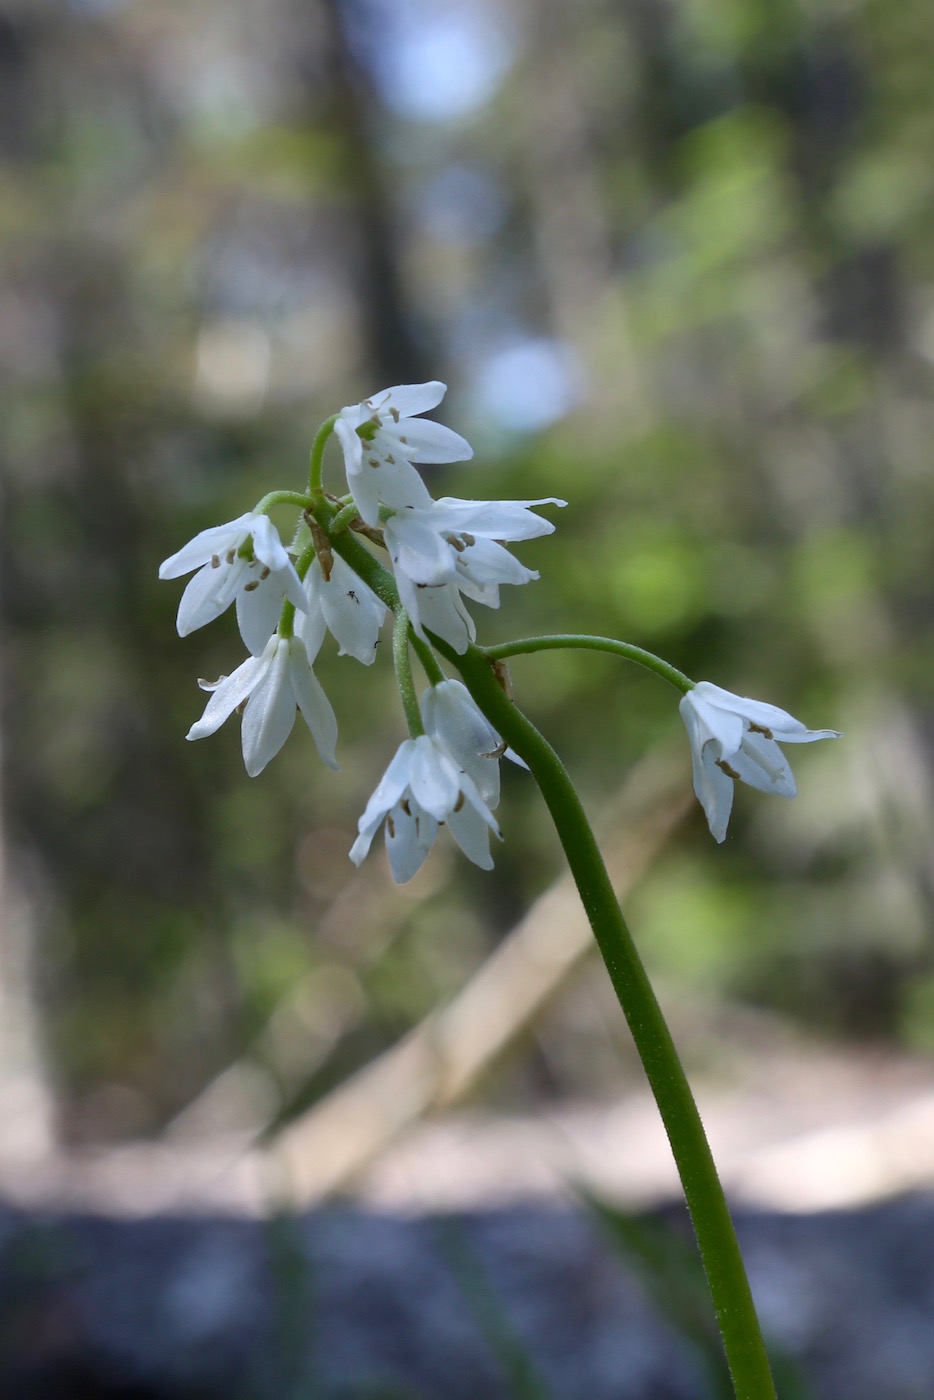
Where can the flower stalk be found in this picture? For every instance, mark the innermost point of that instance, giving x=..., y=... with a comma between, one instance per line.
x=710, y=1216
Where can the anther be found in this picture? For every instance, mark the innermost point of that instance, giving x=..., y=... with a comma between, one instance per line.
x=215, y=561
x=248, y=587
x=394, y=415
x=760, y=729
x=266, y=571
x=231, y=555
x=390, y=825
x=730, y=772
x=460, y=802
x=404, y=804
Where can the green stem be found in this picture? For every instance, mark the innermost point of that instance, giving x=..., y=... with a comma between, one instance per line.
x=281, y=498
x=723, y=1263
x=317, y=453
x=343, y=518
x=562, y=640
x=403, y=663
x=716, y=1237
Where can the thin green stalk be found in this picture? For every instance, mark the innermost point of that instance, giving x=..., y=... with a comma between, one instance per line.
x=403, y=664
x=317, y=453
x=716, y=1237
x=282, y=498
x=723, y=1263
x=559, y=641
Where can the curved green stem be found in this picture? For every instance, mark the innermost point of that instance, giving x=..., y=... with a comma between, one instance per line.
x=726, y=1274
x=403, y=664
x=716, y=1237
x=282, y=498
x=317, y=452
x=562, y=640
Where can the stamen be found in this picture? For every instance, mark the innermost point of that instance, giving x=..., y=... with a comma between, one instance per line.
x=215, y=561
x=730, y=772
x=248, y=587
x=760, y=729
x=404, y=804
x=390, y=825
x=395, y=415
x=461, y=799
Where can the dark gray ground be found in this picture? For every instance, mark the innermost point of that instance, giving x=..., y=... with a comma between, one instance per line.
x=345, y=1303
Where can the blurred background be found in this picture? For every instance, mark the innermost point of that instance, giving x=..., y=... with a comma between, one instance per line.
x=674, y=259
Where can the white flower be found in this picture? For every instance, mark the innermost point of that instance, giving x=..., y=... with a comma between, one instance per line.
x=343, y=604
x=272, y=686
x=451, y=716
x=452, y=547
x=735, y=738
x=381, y=438
x=422, y=788
x=259, y=584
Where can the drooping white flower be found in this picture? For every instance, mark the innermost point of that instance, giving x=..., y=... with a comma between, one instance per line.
x=454, y=547
x=259, y=583
x=344, y=605
x=272, y=685
x=734, y=738
x=423, y=787
x=381, y=438
x=452, y=716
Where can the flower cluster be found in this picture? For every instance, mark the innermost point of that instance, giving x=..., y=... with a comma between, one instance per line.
x=442, y=554
x=287, y=599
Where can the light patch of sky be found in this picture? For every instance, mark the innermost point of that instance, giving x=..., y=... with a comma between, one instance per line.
x=527, y=385
x=436, y=61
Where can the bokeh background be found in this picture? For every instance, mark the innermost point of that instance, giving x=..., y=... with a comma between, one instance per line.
x=674, y=259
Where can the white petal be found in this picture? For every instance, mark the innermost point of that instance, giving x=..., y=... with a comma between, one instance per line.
x=406, y=399
x=498, y=520
x=451, y=716
x=198, y=604
x=311, y=627
x=359, y=476
x=433, y=778
x=421, y=440
x=315, y=706
x=390, y=788
x=352, y=611
x=258, y=612
x=714, y=790
x=442, y=611
x=409, y=838
x=269, y=714
x=230, y=693
x=472, y=834
x=488, y=564
x=267, y=546
x=216, y=540
x=398, y=483
x=417, y=548
x=723, y=727
x=761, y=763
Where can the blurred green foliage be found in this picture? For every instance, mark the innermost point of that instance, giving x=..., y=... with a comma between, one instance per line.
x=214, y=232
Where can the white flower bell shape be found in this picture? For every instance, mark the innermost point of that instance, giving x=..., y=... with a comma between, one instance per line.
x=454, y=547
x=733, y=738
x=382, y=437
x=344, y=605
x=259, y=583
x=451, y=716
x=423, y=787
x=272, y=686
